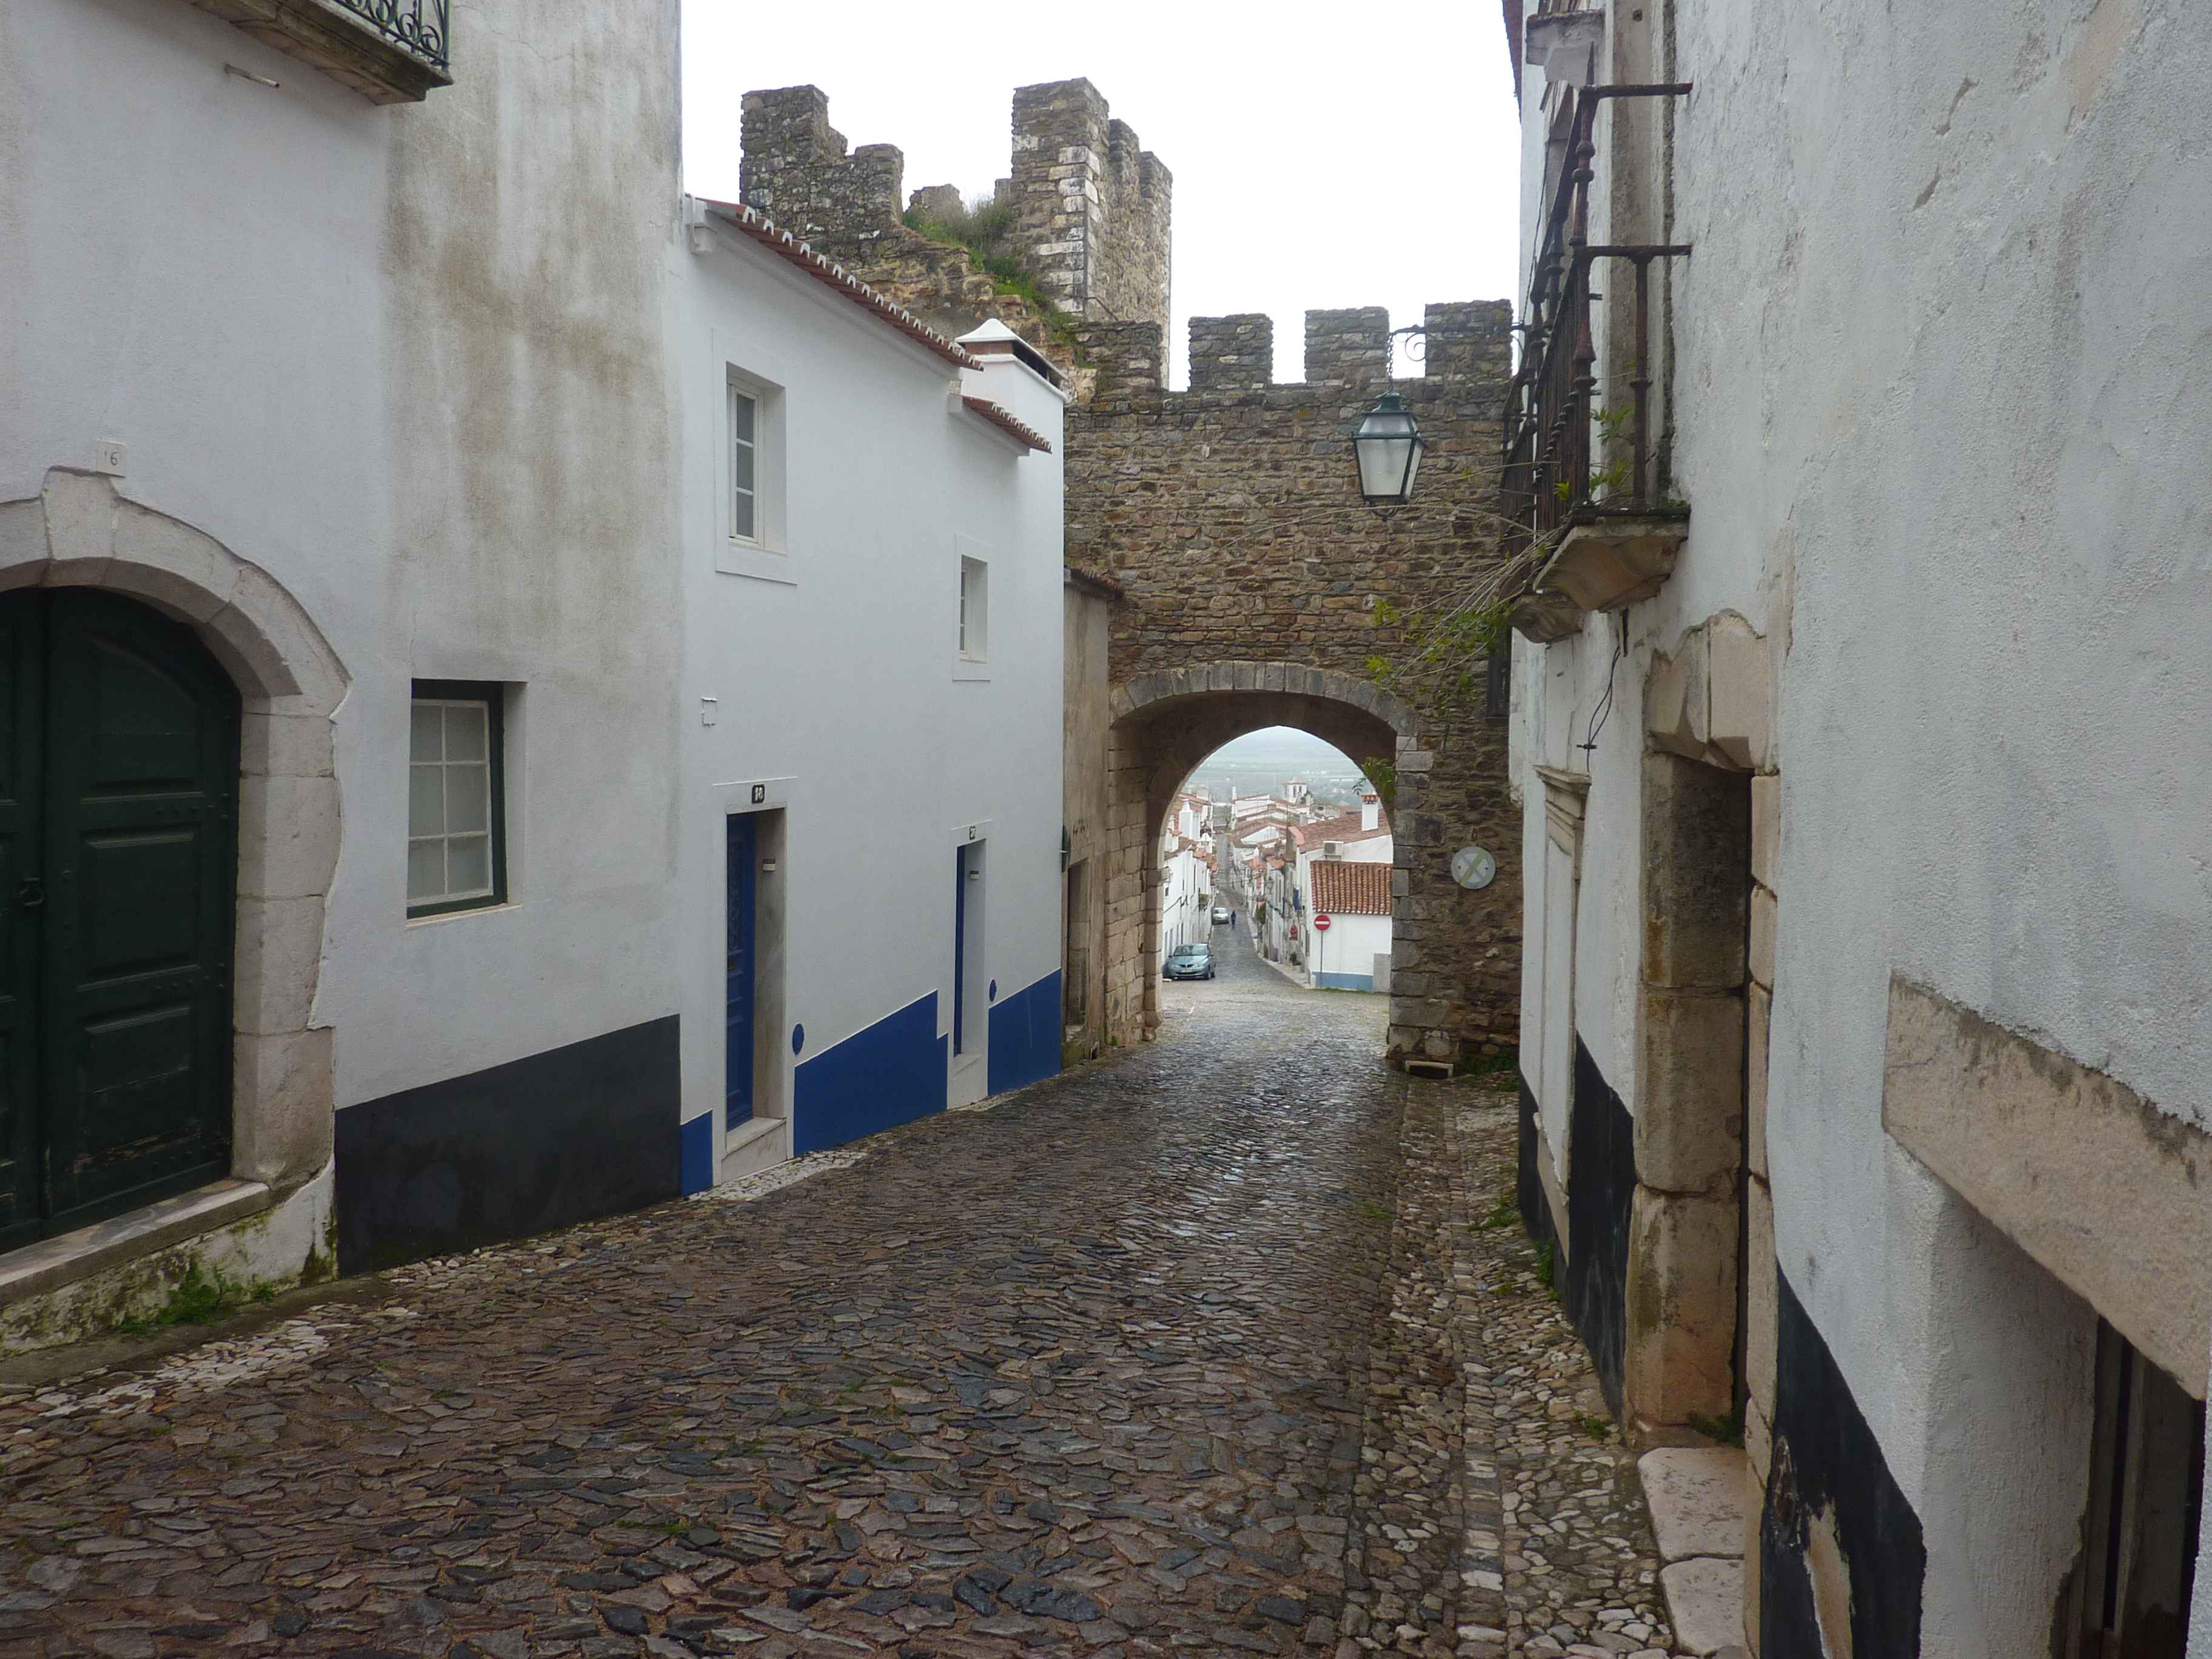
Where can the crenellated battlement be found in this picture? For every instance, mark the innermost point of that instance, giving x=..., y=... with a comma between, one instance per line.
x=1093, y=205
x=1347, y=357
x=1091, y=209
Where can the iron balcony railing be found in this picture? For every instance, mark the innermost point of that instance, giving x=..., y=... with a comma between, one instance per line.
x=421, y=27
x=1551, y=476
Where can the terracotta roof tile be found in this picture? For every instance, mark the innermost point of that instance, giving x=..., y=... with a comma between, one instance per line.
x=1351, y=890
x=1343, y=827
x=1006, y=421
x=782, y=243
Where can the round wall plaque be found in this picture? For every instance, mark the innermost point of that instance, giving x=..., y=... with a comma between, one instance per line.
x=1473, y=867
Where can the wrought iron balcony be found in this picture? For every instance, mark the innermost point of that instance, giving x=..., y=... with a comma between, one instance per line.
x=423, y=26
x=1584, y=483
x=390, y=52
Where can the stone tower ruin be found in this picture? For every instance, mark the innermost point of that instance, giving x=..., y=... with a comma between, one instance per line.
x=1091, y=211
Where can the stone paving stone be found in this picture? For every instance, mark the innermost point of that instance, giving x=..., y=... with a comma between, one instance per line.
x=1578, y=1570
x=1179, y=1354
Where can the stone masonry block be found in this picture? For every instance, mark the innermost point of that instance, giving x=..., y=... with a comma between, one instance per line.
x=289, y=836
x=1742, y=707
x=286, y=1135
x=1696, y=833
x=1678, y=1360
x=80, y=526
x=278, y=961
x=1765, y=912
x=285, y=745
x=1759, y=1450
x=1674, y=703
x=1759, y=1295
x=1697, y=1500
x=23, y=551
x=171, y=563
x=1689, y=1115
x=1766, y=830
x=1758, y=1005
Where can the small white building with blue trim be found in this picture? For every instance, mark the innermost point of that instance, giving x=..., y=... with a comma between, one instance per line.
x=871, y=683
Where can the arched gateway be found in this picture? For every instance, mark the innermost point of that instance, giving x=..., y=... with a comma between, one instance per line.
x=1164, y=724
x=1235, y=578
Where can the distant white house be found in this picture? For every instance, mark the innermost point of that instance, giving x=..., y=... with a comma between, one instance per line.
x=1342, y=872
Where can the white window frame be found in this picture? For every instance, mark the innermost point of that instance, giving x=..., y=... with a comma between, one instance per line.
x=736, y=394
x=971, y=640
x=764, y=554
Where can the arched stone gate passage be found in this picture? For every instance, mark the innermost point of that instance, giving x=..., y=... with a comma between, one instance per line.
x=1164, y=724
x=1251, y=586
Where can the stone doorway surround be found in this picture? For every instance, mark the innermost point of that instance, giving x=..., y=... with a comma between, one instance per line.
x=1711, y=710
x=1164, y=724
x=79, y=531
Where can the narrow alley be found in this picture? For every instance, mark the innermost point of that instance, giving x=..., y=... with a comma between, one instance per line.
x=1198, y=1350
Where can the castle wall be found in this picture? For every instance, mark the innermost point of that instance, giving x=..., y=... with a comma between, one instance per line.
x=1092, y=220
x=1093, y=205
x=1228, y=515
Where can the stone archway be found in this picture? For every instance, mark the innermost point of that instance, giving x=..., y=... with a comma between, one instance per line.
x=78, y=531
x=1163, y=724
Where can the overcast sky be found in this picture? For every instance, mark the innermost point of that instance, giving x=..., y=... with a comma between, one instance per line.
x=1344, y=154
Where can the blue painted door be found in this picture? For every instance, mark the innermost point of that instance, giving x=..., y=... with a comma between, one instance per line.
x=738, y=1030
x=959, y=950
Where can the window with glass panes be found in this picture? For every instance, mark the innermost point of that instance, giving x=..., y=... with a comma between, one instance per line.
x=744, y=467
x=456, y=839
x=975, y=609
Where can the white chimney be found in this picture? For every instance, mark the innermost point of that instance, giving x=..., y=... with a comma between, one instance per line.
x=1371, y=810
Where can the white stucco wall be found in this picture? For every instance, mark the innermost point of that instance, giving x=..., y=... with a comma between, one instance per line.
x=839, y=685
x=429, y=409
x=1941, y=412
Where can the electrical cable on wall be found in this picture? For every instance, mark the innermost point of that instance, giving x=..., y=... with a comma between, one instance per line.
x=1603, y=712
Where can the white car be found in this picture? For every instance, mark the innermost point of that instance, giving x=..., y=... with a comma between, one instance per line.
x=1220, y=915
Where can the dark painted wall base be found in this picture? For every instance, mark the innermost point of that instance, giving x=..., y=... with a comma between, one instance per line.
x=585, y=1130
x=1828, y=1471
x=888, y=1073
x=1601, y=1192
x=1025, y=1035
x=1529, y=1193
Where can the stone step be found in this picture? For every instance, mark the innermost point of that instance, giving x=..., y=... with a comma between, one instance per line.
x=1700, y=1501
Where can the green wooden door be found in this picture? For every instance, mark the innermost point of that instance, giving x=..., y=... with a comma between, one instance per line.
x=118, y=827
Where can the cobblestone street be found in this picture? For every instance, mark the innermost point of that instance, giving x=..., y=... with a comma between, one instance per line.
x=1225, y=1345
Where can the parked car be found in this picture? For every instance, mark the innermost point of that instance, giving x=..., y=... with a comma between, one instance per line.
x=1220, y=915
x=1189, y=962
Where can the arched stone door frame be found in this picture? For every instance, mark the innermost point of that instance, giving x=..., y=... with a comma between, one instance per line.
x=79, y=531
x=1163, y=724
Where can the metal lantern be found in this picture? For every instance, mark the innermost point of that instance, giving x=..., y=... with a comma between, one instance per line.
x=1387, y=445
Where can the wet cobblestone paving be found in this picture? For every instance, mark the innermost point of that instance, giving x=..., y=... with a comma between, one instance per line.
x=1174, y=1355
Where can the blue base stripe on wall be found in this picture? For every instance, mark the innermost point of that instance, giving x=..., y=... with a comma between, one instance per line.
x=1345, y=981
x=1025, y=1035
x=890, y=1073
x=694, y=1152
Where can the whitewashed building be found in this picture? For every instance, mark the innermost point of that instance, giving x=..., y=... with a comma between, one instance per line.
x=397, y=687
x=1862, y=720
x=1341, y=870
x=872, y=578
x=336, y=451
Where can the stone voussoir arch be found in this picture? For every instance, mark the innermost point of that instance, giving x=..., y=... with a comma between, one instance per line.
x=1142, y=691
x=1165, y=721
x=79, y=530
